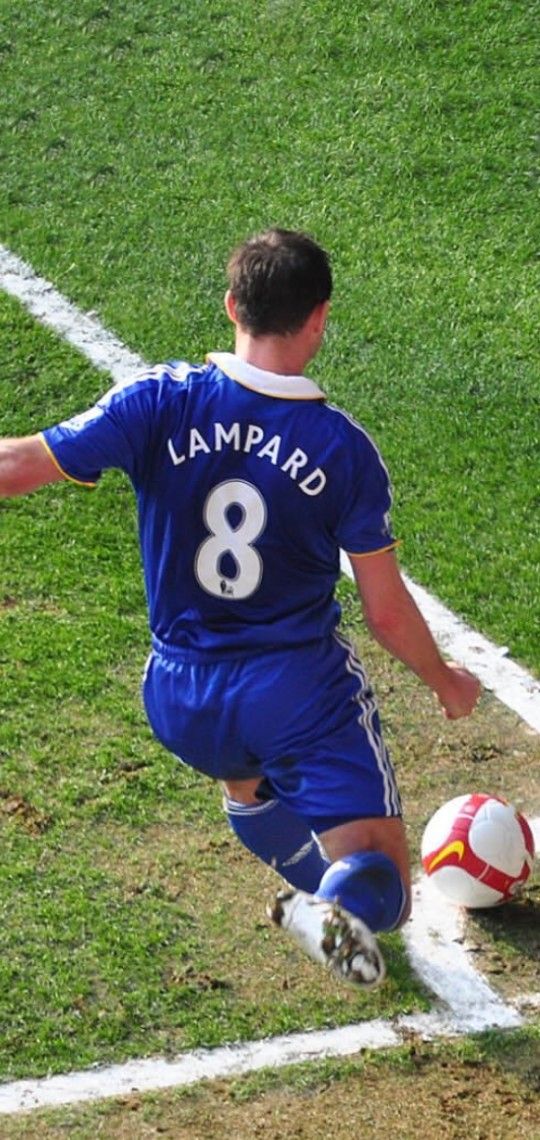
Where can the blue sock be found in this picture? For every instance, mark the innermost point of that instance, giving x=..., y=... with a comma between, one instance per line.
x=280, y=838
x=369, y=885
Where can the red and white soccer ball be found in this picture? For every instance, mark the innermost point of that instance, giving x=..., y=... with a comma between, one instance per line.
x=478, y=850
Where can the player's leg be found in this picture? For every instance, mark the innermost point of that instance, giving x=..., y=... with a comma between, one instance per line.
x=192, y=712
x=343, y=783
x=275, y=834
x=365, y=890
x=369, y=871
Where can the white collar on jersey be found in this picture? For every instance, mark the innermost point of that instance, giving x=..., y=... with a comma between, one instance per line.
x=267, y=383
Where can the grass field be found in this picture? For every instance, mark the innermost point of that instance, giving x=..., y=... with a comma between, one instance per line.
x=488, y=1091
x=138, y=143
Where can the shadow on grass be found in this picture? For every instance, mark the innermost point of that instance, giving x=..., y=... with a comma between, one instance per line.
x=514, y=927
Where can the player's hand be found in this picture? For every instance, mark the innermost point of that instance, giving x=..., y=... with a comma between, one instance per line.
x=460, y=692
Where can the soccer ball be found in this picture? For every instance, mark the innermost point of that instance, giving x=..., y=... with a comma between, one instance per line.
x=478, y=850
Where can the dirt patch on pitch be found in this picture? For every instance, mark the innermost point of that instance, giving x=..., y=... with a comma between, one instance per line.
x=428, y=1091
x=505, y=943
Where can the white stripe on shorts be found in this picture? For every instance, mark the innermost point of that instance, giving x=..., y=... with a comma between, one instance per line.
x=368, y=707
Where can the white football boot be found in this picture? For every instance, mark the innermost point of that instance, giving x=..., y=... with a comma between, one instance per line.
x=331, y=936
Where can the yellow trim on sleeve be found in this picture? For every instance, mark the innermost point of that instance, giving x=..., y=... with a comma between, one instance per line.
x=64, y=474
x=371, y=553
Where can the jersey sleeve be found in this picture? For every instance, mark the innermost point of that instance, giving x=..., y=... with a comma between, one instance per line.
x=365, y=526
x=113, y=433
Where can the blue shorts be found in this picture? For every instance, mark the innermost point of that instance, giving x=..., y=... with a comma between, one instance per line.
x=304, y=720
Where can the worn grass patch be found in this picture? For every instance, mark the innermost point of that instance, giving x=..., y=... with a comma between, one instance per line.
x=487, y=1087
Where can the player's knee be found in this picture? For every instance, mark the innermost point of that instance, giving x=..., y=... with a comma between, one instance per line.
x=242, y=792
x=368, y=884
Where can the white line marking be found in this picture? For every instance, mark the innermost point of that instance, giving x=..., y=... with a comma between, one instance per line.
x=235, y=1060
x=82, y=330
x=511, y=684
x=433, y=937
x=229, y=1061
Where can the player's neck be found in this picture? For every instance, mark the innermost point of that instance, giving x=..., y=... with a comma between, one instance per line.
x=287, y=356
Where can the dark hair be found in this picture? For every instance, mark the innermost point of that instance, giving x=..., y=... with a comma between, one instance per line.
x=277, y=278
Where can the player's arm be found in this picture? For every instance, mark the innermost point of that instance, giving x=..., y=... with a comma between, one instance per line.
x=25, y=465
x=398, y=625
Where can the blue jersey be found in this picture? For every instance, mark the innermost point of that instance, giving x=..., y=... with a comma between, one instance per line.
x=247, y=485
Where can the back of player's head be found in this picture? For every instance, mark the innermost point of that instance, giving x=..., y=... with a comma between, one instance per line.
x=276, y=279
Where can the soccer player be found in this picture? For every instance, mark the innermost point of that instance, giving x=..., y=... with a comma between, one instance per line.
x=248, y=484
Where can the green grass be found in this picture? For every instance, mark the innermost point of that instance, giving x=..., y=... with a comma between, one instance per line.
x=138, y=145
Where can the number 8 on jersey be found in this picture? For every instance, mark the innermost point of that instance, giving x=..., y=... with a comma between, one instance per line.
x=236, y=541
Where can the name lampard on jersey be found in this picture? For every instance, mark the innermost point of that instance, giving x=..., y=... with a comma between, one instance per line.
x=251, y=438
